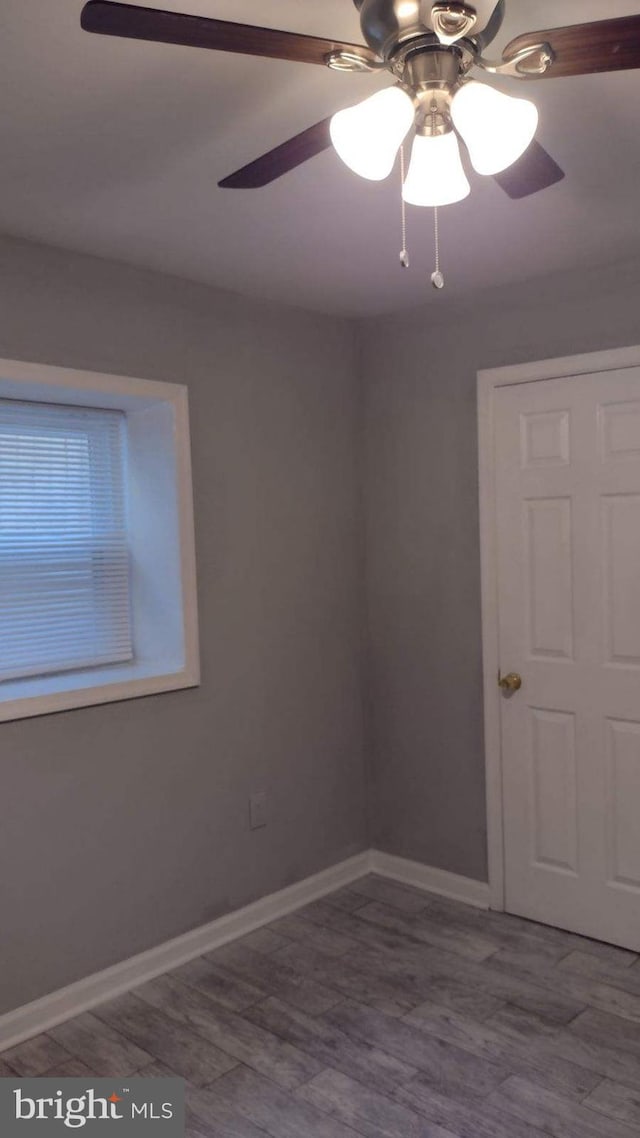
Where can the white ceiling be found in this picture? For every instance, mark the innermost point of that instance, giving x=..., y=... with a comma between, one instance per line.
x=114, y=148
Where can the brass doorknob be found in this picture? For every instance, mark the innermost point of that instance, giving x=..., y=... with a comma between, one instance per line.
x=511, y=682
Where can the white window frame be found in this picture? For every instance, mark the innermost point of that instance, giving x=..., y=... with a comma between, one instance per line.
x=150, y=406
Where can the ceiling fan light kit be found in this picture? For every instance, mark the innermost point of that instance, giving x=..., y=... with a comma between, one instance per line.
x=428, y=49
x=496, y=128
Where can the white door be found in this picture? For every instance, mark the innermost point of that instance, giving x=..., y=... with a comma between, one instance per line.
x=567, y=469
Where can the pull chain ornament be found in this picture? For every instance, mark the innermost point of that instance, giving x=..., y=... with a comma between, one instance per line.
x=437, y=277
x=404, y=256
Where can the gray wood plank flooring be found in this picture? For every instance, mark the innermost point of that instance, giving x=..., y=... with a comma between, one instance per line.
x=379, y=1012
x=616, y=1101
x=90, y=1040
x=35, y=1057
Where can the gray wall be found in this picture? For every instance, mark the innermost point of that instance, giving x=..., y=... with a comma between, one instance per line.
x=426, y=784
x=124, y=825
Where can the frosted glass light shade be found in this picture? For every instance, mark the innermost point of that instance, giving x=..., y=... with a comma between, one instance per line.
x=368, y=136
x=436, y=175
x=496, y=128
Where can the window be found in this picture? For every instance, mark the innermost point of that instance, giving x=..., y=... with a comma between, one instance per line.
x=97, y=568
x=64, y=561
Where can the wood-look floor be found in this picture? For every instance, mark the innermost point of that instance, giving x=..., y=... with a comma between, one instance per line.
x=380, y=1011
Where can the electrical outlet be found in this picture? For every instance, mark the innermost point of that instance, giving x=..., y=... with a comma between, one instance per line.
x=258, y=810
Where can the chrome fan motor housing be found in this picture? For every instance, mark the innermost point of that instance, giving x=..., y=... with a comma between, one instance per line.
x=389, y=26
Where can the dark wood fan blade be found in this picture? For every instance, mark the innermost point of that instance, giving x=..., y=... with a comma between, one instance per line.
x=281, y=160
x=113, y=19
x=534, y=171
x=583, y=49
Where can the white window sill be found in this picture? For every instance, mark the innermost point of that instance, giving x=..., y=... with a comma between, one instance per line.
x=20, y=699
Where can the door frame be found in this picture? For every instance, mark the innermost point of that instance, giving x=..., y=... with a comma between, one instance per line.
x=488, y=382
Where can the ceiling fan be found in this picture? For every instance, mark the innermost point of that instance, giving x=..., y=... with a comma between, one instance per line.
x=429, y=50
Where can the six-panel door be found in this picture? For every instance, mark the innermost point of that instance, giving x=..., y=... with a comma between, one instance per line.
x=567, y=463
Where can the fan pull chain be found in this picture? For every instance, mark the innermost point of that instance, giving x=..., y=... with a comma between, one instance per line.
x=404, y=256
x=437, y=277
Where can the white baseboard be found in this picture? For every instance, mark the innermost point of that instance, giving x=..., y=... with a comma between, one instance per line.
x=433, y=880
x=31, y=1019
x=40, y=1015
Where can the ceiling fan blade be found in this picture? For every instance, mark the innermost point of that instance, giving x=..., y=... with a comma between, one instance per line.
x=113, y=19
x=583, y=49
x=281, y=160
x=534, y=171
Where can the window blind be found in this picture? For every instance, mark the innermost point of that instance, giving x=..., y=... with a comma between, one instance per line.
x=64, y=564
